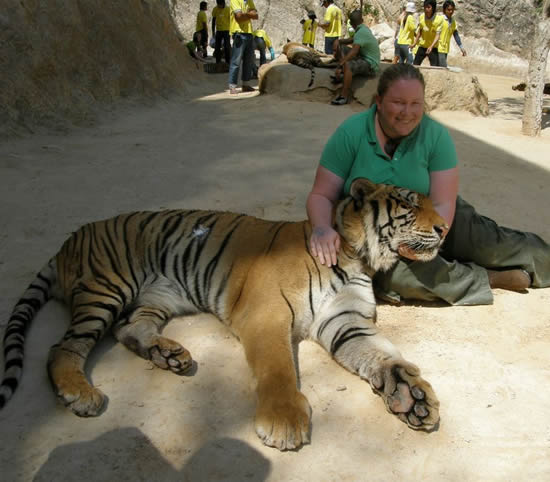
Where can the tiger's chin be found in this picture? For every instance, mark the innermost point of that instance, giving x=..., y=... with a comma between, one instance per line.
x=424, y=254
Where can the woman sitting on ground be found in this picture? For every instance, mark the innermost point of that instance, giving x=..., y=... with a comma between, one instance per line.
x=395, y=142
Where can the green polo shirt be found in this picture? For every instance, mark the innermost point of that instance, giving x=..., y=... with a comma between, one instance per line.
x=353, y=151
x=368, y=45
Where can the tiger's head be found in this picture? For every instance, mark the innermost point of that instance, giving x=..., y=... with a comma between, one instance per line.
x=379, y=223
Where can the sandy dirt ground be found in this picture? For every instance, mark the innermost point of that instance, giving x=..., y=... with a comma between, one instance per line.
x=257, y=154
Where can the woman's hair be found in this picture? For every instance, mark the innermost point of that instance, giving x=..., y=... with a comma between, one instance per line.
x=397, y=72
x=448, y=3
x=433, y=3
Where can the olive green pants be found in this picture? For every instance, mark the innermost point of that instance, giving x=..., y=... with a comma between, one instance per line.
x=457, y=275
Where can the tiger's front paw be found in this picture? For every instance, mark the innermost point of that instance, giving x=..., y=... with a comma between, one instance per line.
x=406, y=394
x=283, y=423
x=83, y=399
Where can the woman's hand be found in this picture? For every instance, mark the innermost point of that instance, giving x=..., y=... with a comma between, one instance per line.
x=325, y=244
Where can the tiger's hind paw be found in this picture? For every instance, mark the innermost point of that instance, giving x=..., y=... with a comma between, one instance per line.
x=170, y=355
x=406, y=394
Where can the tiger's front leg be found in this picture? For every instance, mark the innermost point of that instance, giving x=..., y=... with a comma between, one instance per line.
x=283, y=412
x=347, y=331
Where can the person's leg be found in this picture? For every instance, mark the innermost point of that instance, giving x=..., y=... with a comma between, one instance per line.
x=204, y=41
x=248, y=61
x=481, y=240
x=420, y=56
x=403, y=53
x=226, y=46
x=442, y=59
x=260, y=46
x=329, y=49
x=218, y=48
x=346, y=86
x=459, y=274
x=434, y=58
x=236, y=58
x=409, y=56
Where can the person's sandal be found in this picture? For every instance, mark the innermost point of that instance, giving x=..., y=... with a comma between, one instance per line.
x=340, y=100
x=511, y=279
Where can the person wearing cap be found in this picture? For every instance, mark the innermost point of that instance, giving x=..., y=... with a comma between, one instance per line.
x=310, y=27
x=363, y=58
x=448, y=29
x=405, y=34
x=332, y=24
x=242, y=12
x=429, y=30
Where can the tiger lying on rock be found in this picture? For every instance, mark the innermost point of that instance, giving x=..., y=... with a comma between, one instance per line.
x=308, y=58
x=136, y=271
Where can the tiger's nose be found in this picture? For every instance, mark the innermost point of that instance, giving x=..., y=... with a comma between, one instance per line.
x=440, y=229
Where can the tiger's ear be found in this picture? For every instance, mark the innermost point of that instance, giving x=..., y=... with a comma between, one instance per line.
x=361, y=189
x=288, y=40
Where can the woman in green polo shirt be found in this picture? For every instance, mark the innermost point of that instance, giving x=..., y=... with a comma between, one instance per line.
x=394, y=142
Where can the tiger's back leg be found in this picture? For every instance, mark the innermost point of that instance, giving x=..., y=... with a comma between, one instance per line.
x=140, y=331
x=93, y=312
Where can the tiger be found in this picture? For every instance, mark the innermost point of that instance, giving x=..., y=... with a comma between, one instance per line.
x=308, y=58
x=132, y=273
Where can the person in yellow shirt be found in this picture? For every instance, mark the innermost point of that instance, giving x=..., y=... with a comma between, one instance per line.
x=262, y=42
x=242, y=12
x=448, y=29
x=405, y=34
x=310, y=28
x=429, y=30
x=220, y=31
x=332, y=24
x=202, y=26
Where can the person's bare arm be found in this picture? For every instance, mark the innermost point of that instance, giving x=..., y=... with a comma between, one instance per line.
x=354, y=51
x=242, y=16
x=436, y=39
x=443, y=193
x=416, y=39
x=325, y=241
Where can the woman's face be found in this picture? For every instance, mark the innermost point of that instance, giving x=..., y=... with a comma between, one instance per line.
x=428, y=10
x=401, y=108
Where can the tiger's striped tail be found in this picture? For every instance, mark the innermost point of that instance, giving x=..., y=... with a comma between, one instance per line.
x=35, y=296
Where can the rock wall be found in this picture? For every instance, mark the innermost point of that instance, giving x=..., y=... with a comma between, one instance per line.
x=61, y=58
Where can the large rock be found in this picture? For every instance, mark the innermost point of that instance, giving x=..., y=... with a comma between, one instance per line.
x=62, y=58
x=445, y=89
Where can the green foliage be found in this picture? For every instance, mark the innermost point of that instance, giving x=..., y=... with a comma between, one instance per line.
x=368, y=9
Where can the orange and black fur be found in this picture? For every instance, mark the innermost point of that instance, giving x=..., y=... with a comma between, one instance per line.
x=134, y=272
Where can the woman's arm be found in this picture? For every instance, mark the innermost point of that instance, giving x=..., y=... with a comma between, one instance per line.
x=325, y=241
x=443, y=192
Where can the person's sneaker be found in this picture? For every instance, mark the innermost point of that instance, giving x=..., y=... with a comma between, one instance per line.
x=339, y=100
x=233, y=90
x=511, y=279
x=247, y=88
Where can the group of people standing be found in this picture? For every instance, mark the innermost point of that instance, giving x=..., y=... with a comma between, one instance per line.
x=233, y=21
x=429, y=37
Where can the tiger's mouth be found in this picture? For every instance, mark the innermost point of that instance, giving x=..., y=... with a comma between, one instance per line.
x=418, y=252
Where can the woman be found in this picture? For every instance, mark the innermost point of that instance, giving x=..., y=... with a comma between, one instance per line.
x=405, y=34
x=394, y=142
x=427, y=37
